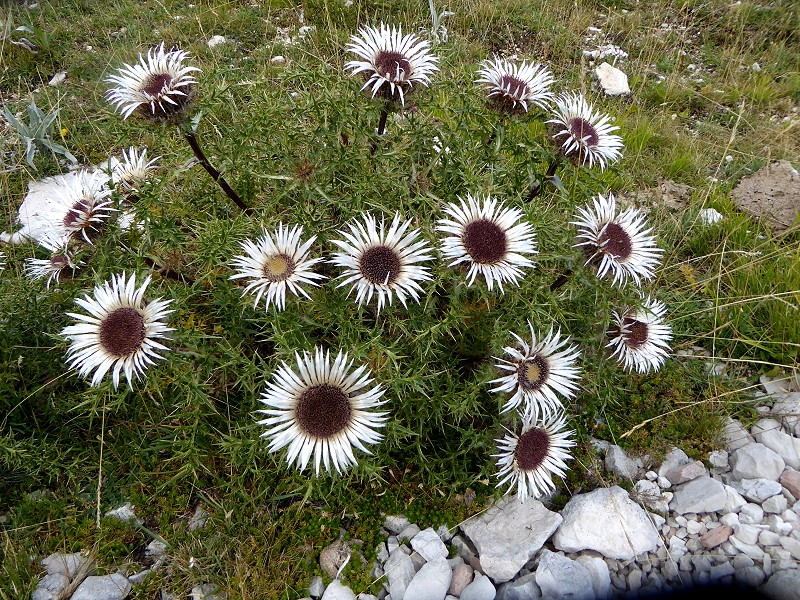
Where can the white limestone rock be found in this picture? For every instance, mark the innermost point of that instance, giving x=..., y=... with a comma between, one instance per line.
x=754, y=461
x=769, y=433
x=613, y=81
x=787, y=410
x=735, y=435
x=608, y=521
x=509, y=534
x=316, y=587
x=791, y=545
x=751, y=514
x=782, y=585
x=337, y=591
x=103, y=587
x=50, y=587
x=618, y=462
x=409, y=532
x=598, y=572
x=560, y=578
x=687, y=472
x=675, y=458
x=775, y=505
x=68, y=564
x=721, y=570
x=429, y=545
x=431, y=581
x=395, y=523
x=700, y=495
x=775, y=386
x=125, y=513
x=524, y=588
x=709, y=216
x=719, y=459
x=733, y=501
x=651, y=495
x=480, y=589
x=399, y=572
x=750, y=577
x=757, y=490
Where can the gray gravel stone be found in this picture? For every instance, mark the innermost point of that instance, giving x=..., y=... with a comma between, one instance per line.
x=687, y=472
x=699, y=495
x=50, y=587
x=430, y=546
x=675, y=458
x=396, y=523
x=560, y=577
x=524, y=588
x=618, y=462
x=719, y=571
x=599, y=574
x=719, y=459
x=409, y=532
x=783, y=585
x=751, y=514
x=751, y=577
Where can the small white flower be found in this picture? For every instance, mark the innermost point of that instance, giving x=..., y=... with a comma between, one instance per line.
x=322, y=409
x=276, y=263
x=529, y=460
x=489, y=238
x=514, y=86
x=620, y=244
x=132, y=170
x=161, y=82
x=382, y=262
x=391, y=62
x=539, y=371
x=639, y=337
x=119, y=333
x=587, y=134
x=60, y=258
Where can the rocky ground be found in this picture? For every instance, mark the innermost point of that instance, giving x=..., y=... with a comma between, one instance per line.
x=733, y=519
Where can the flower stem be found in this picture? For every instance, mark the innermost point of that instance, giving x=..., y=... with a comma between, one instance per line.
x=215, y=175
x=562, y=279
x=536, y=187
x=382, y=121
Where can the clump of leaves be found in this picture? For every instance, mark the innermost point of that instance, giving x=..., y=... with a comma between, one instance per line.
x=36, y=133
x=40, y=38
